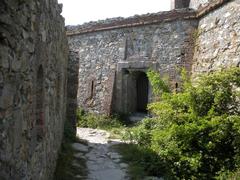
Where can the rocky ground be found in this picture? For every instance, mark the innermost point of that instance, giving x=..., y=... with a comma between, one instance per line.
x=102, y=162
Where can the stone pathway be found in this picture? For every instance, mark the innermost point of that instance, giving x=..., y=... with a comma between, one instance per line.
x=101, y=160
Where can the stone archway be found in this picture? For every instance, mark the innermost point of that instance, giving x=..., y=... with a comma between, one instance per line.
x=135, y=91
x=132, y=90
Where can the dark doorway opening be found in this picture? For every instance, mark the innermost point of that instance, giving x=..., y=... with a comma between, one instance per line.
x=142, y=92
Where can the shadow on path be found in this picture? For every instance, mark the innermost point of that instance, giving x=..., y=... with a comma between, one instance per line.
x=94, y=156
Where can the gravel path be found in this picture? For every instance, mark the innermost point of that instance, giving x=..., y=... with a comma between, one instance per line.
x=101, y=160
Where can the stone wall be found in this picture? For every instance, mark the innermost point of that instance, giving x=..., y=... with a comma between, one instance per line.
x=178, y=4
x=105, y=55
x=195, y=4
x=218, y=39
x=113, y=52
x=33, y=61
x=72, y=87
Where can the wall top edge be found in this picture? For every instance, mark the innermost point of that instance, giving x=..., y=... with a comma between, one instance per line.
x=146, y=19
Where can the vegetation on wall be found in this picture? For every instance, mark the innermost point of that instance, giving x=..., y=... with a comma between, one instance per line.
x=195, y=132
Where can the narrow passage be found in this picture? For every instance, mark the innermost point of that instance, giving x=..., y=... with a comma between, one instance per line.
x=102, y=162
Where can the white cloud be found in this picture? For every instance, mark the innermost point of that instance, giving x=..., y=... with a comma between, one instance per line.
x=80, y=11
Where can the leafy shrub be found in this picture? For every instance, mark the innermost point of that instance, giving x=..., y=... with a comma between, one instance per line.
x=195, y=132
x=91, y=120
x=226, y=174
x=142, y=161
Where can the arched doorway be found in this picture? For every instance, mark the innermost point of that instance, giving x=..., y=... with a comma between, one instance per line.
x=142, y=92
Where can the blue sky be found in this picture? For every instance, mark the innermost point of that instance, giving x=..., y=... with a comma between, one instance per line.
x=80, y=11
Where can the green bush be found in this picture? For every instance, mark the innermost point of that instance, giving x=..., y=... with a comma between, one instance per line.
x=142, y=161
x=195, y=132
x=226, y=174
x=90, y=120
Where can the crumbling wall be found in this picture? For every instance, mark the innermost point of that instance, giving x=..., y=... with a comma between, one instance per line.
x=103, y=55
x=33, y=60
x=218, y=39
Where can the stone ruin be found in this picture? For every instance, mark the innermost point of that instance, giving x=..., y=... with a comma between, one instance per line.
x=102, y=68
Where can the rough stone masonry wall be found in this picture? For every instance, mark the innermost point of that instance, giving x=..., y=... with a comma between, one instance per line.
x=218, y=40
x=72, y=87
x=178, y=4
x=164, y=45
x=33, y=60
x=195, y=4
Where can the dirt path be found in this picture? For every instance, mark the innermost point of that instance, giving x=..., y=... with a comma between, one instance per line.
x=101, y=160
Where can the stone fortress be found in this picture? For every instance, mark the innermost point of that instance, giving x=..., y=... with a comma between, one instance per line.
x=102, y=68
x=111, y=57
